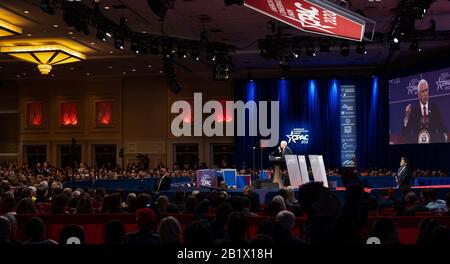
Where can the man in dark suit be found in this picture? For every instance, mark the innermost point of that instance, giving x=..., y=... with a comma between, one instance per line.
x=423, y=122
x=284, y=149
x=281, y=151
x=279, y=154
x=163, y=182
x=403, y=174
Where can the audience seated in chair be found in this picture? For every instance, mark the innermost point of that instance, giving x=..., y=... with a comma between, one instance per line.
x=146, y=220
x=170, y=231
x=114, y=232
x=35, y=232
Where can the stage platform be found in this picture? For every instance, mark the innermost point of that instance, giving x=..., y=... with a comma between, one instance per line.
x=372, y=184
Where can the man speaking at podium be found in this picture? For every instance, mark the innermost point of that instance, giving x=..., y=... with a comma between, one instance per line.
x=422, y=122
x=278, y=155
x=282, y=150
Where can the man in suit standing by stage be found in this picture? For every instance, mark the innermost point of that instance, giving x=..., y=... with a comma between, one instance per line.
x=163, y=182
x=282, y=150
x=422, y=122
x=403, y=174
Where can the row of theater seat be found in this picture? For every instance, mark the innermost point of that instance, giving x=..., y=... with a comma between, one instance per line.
x=94, y=224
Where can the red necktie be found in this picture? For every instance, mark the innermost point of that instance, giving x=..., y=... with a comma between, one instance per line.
x=425, y=117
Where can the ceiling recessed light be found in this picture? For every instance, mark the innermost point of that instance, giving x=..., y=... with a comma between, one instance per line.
x=149, y=65
x=18, y=76
x=160, y=71
x=92, y=43
x=26, y=11
x=111, y=51
x=107, y=7
x=133, y=70
x=124, y=72
x=55, y=25
x=72, y=68
x=24, y=73
x=53, y=75
x=110, y=67
x=29, y=35
x=70, y=33
x=87, y=73
x=144, y=32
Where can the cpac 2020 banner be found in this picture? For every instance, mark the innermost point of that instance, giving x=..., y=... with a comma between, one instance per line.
x=419, y=108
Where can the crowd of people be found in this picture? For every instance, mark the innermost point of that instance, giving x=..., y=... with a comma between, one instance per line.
x=18, y=175
x=39, y=191
x=221, y=219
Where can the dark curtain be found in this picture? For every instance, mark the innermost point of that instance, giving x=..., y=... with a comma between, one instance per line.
x=309, y=104
x=372, y=113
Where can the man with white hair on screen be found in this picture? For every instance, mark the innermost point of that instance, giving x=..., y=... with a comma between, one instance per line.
x=422, y=122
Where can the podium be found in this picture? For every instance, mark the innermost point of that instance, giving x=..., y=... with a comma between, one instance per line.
x=276, y=161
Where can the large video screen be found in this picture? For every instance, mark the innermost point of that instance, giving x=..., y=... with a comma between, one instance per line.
x=419, y=108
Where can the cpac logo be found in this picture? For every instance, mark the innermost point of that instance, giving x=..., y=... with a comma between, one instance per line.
x=206, y=181
x=299, y=134
x=412, y=87
x=443, y=83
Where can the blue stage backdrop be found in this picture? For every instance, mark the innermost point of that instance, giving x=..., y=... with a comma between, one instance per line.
x=311, y=107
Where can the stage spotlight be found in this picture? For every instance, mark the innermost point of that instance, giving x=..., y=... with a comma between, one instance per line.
x=297, y=52
x=182, y=53
x=361, y=48
x=195, y=54
x=101, y=35
x=250, y=76
x=119, y=43
x=154, y=48
x=415, y=46
x=310, y=50
x=345, y=49
x=234, y=2
x=211, y=58
x=221, y=72
x=134, y=46
x=167, y=50
x=47, y=7
x=423, y=4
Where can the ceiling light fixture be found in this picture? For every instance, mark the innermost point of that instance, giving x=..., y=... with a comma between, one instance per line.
x=44, y=56
x=8, y=29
